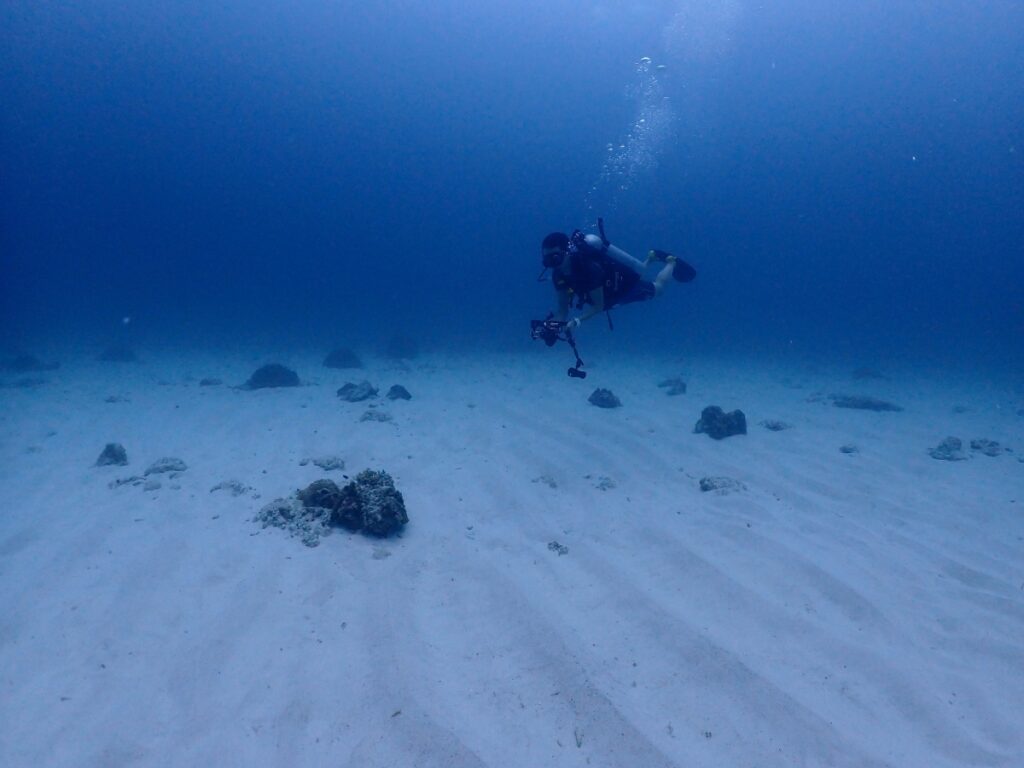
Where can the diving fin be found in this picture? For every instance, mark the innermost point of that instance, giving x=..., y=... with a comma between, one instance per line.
x=683, y=272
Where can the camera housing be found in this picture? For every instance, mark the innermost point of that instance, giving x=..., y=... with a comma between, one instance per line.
x=548, y=330
x=552, y=331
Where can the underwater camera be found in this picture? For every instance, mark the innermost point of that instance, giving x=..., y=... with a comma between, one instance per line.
x=552, y=331
x=549, y=330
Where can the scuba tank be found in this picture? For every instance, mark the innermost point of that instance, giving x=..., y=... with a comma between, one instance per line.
x=615, y=253
x=600, y=244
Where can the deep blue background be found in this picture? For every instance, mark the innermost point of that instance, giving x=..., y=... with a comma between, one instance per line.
x=845, y=175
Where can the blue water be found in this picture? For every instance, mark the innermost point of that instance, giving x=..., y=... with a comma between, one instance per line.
x=845, y=176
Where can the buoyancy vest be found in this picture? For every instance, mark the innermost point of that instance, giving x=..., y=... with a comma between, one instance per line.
x=591, y=268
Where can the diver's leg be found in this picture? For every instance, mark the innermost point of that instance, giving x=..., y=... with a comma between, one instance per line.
x=664, y=275
x=657, y=255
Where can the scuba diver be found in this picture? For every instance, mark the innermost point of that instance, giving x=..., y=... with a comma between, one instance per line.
x=596, y=275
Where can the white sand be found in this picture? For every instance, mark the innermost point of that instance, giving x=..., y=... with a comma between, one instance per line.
x=863, y=610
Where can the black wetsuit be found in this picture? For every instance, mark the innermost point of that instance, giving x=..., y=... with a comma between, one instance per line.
x=592, y=269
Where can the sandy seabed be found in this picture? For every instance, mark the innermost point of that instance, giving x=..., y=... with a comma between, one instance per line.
x=862, y=609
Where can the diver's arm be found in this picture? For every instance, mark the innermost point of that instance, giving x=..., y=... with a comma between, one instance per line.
x=563, y=305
